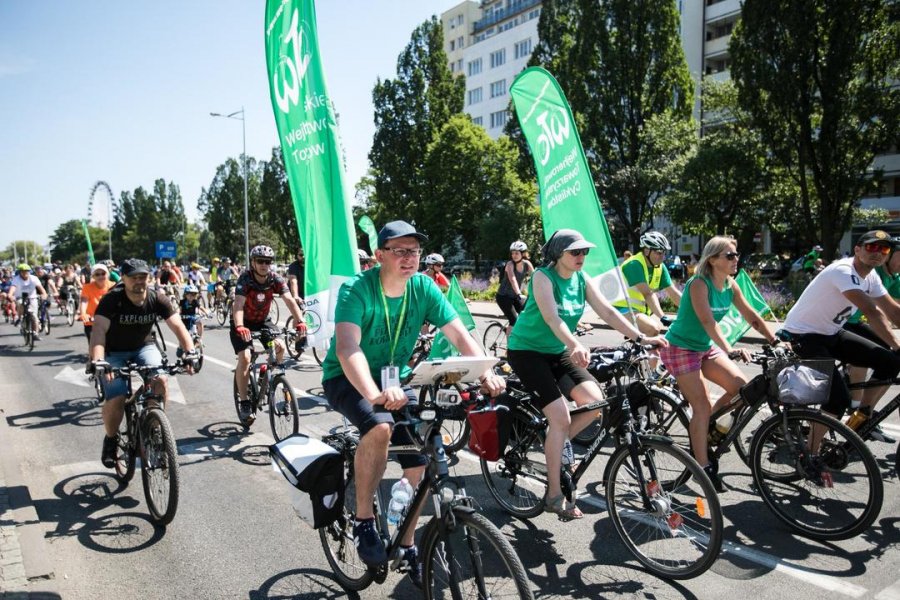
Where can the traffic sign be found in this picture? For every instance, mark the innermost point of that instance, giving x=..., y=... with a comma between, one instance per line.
x=165, y=249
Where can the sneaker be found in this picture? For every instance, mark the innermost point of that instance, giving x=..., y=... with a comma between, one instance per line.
x=247, y=415
x=36, y=337
x=410, y=565
x=712, y=471
x=879, y=435
x=368, y=543
x=108, y=456
x=16, y=322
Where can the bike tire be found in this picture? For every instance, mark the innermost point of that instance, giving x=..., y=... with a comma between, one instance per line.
x=221, y=313
x=252, y=392
x=198, y=346
x=669, y=414
x=319, y=355
x=274, y=311
x=283, y=415
x=455, y=427
x=70, y=311
x=28, y=331
x=518, y=481
x=126, y=451
x=290, y=339
x=474, y=550
x=495, y=340
x=744, y=439
x=337, y=541
x=45, y=322
x=159, y=466
x=838, y=507
x=693, y=544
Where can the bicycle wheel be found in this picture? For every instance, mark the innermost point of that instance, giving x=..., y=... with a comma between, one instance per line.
x=290, y=339
x=70, y=311
x=743, y=440
x=337, y=541
x=159, y=466
x=454, y=426
x=834, y=495
x=274, y=311
x=674, y=529
x=28, y=332
x=471, y=559
x=518, y=481
x=495, y=339
x=252, y=392
x=319, y=354
x=198, y=346
x=45, y=321
x=283, y=415
x=125, y=452
x=221, y=313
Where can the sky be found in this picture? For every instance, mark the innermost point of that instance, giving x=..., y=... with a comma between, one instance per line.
x=121, y=92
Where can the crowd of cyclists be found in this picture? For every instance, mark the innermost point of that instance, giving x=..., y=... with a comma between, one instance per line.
x=381, y=311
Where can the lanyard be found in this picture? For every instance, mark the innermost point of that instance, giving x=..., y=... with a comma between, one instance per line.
x=387, y=319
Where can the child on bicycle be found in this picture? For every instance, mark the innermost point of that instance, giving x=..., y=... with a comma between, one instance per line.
x=189, y=307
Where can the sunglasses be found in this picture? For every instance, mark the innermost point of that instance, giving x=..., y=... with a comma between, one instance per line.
x=731, y=255
x=261, y=261
x=579, y=252
x=404, y=252
x=100, y=274
x=877, y=248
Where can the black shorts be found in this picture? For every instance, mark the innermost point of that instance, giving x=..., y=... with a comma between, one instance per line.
x=511, y=307
x=346, y=399
x=240, y=345
x=540, y=374
x=87, y=332
x=863, y=330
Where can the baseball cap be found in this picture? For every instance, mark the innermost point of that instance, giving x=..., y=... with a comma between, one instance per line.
x=875, y=236
x=100, y=267
x=134, y=266
x=398, y=229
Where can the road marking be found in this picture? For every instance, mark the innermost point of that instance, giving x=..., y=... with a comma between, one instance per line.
x=74, y=376
x=891, y=592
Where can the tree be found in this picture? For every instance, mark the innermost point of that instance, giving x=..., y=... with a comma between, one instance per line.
x=277, y=210
x=819, y=79
x=222, y=206
x=68, y=244
x=143, y=218
x=409, y=111
x=24, y=249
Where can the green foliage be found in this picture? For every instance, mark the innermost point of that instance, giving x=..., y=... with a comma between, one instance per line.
x=277, y=207
x=819, y=79
x=67, y=242
x=871, y=217
x=222, y=206
x=142, y=218
x=22, y=248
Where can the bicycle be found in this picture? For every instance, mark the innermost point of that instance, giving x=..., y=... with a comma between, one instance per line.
x=222, y=308
x=268, y=386
x=290, y=339
x=145, y=431
x=464, y=555
x=26, y=322
x=495, y=339
x=865, y=429
x=44, y=317
x=70, y=306
x=663, y=505
x=197, y=341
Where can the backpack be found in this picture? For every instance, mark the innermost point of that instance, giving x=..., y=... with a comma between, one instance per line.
x=315, y=471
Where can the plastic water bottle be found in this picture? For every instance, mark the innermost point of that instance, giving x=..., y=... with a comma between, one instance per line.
x=401, y=494
x=568, y=454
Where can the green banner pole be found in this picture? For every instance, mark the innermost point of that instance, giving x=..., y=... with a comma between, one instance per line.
x=87, y=236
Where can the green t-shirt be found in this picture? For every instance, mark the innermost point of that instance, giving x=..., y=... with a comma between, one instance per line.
x=531, y=332
x=361, y=302
x=634, y=274
x=891, y=283
x=686, y=331
x=114, y=276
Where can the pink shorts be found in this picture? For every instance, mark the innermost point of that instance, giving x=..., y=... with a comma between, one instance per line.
x=680, y=361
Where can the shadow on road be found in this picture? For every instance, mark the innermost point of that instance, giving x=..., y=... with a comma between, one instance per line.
x=83, y=412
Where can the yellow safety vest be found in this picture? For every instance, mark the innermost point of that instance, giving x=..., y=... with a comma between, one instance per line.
x=638, y=304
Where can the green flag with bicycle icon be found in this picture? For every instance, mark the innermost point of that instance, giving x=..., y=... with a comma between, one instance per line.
x=733, y=325
x=441, y=347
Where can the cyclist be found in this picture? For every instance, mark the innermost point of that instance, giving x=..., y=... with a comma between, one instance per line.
x=510, y=298
x=646, y=274
x=122, y=332
x=434, y=268
x=68, y=283
x=296, y=272
x=48, y=281
x=809, y=261
x=91, y=293
x=698, y=351
x=365, y=261
x=226, y=277
x=377, y=319
x=814, y=325
x=6, y=301
x=253, y=296
x=543, y=349
x=188, y=308
x=168, y=277
x=195, y=277
x=26, y=283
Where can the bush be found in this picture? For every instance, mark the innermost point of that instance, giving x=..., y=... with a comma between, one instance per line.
x=475, y=288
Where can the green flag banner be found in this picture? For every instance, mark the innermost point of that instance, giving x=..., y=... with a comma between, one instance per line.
x=733, y=324
x=87, y=236
x=568, y=197
x=308, y=133
x=368, y=227
x=441, y=347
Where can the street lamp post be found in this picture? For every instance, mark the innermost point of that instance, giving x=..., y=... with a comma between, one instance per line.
x=244, y=138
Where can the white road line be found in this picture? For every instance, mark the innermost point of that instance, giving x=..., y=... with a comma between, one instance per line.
x=230, y=365
x=892, y=592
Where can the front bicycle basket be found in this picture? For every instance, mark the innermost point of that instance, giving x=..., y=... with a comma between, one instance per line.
x=803, y=382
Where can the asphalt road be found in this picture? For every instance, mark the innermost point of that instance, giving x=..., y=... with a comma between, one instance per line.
x=236, y=535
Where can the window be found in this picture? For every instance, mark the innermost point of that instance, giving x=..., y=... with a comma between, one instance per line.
x=474, y=96
x=498, y=88
x=478, y=120
x=474, y=67
x=498, y=58
x=459, y=65
x=460, y=42
x=452, y=45
x=523, y=49
x=499, y=118
x=534, y=14
x=459, y=20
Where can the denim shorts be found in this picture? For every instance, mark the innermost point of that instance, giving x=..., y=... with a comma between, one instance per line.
x=145, y=356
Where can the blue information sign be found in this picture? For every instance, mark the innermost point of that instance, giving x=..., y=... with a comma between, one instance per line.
x=165, y=249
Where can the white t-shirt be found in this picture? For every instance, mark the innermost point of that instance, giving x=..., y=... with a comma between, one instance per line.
x=823, y=308
x=25, y=286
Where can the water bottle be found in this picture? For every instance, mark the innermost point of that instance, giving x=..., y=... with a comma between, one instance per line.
x=721, y=429
x=859, y=416
x=401, y=494
x=568, y=453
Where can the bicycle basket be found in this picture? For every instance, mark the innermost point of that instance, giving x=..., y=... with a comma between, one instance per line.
x=803, y=382
x=489, y=428
x=315, y=471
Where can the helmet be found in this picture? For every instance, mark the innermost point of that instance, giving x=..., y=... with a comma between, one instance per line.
x=361, y=254
x=434, y=259
x=216, y=259
x=56, y=271
x=190, y=289
x=518, y=246
x=195, y=265
x=655, y=241
x=262, y=252
x=23, y=267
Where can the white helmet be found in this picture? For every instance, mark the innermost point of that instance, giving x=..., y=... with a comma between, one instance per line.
x=434, y=259
x=655, y=241
x=518, y=246
x=361, y=254
x=190, y=289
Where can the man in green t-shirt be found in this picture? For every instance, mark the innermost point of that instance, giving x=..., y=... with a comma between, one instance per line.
x=377, y=320
x=645, y=274
x=809, y=261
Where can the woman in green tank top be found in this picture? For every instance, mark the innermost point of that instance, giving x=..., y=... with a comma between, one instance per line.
x=542, y=349
x=698, y=350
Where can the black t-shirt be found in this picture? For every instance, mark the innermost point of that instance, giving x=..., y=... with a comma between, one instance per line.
x=298, y=271
x=130, y=325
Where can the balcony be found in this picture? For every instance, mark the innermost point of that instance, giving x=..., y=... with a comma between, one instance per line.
x=722, y=9
x=501, y=15
x=716, y=46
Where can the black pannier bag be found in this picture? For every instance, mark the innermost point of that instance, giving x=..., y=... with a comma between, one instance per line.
x=315, y=471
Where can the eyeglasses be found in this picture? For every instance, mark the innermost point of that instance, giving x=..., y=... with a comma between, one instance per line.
x=877, y=248
x=263, y=261
x=579, y=252
x=100, y=274
x=404, y=252
x=731, y=255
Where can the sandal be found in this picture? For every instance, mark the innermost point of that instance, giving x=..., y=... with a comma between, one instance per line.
x=557, y=505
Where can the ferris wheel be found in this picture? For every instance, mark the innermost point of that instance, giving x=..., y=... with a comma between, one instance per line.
x=102, y=185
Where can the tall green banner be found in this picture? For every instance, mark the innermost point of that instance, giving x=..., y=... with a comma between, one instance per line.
x=368, y=227
x=441, y=347
x=568, y=197
x=308, y=133
x=733, y=325
x=90, y=248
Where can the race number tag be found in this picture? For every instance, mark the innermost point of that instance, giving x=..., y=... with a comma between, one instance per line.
x=390, y=377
